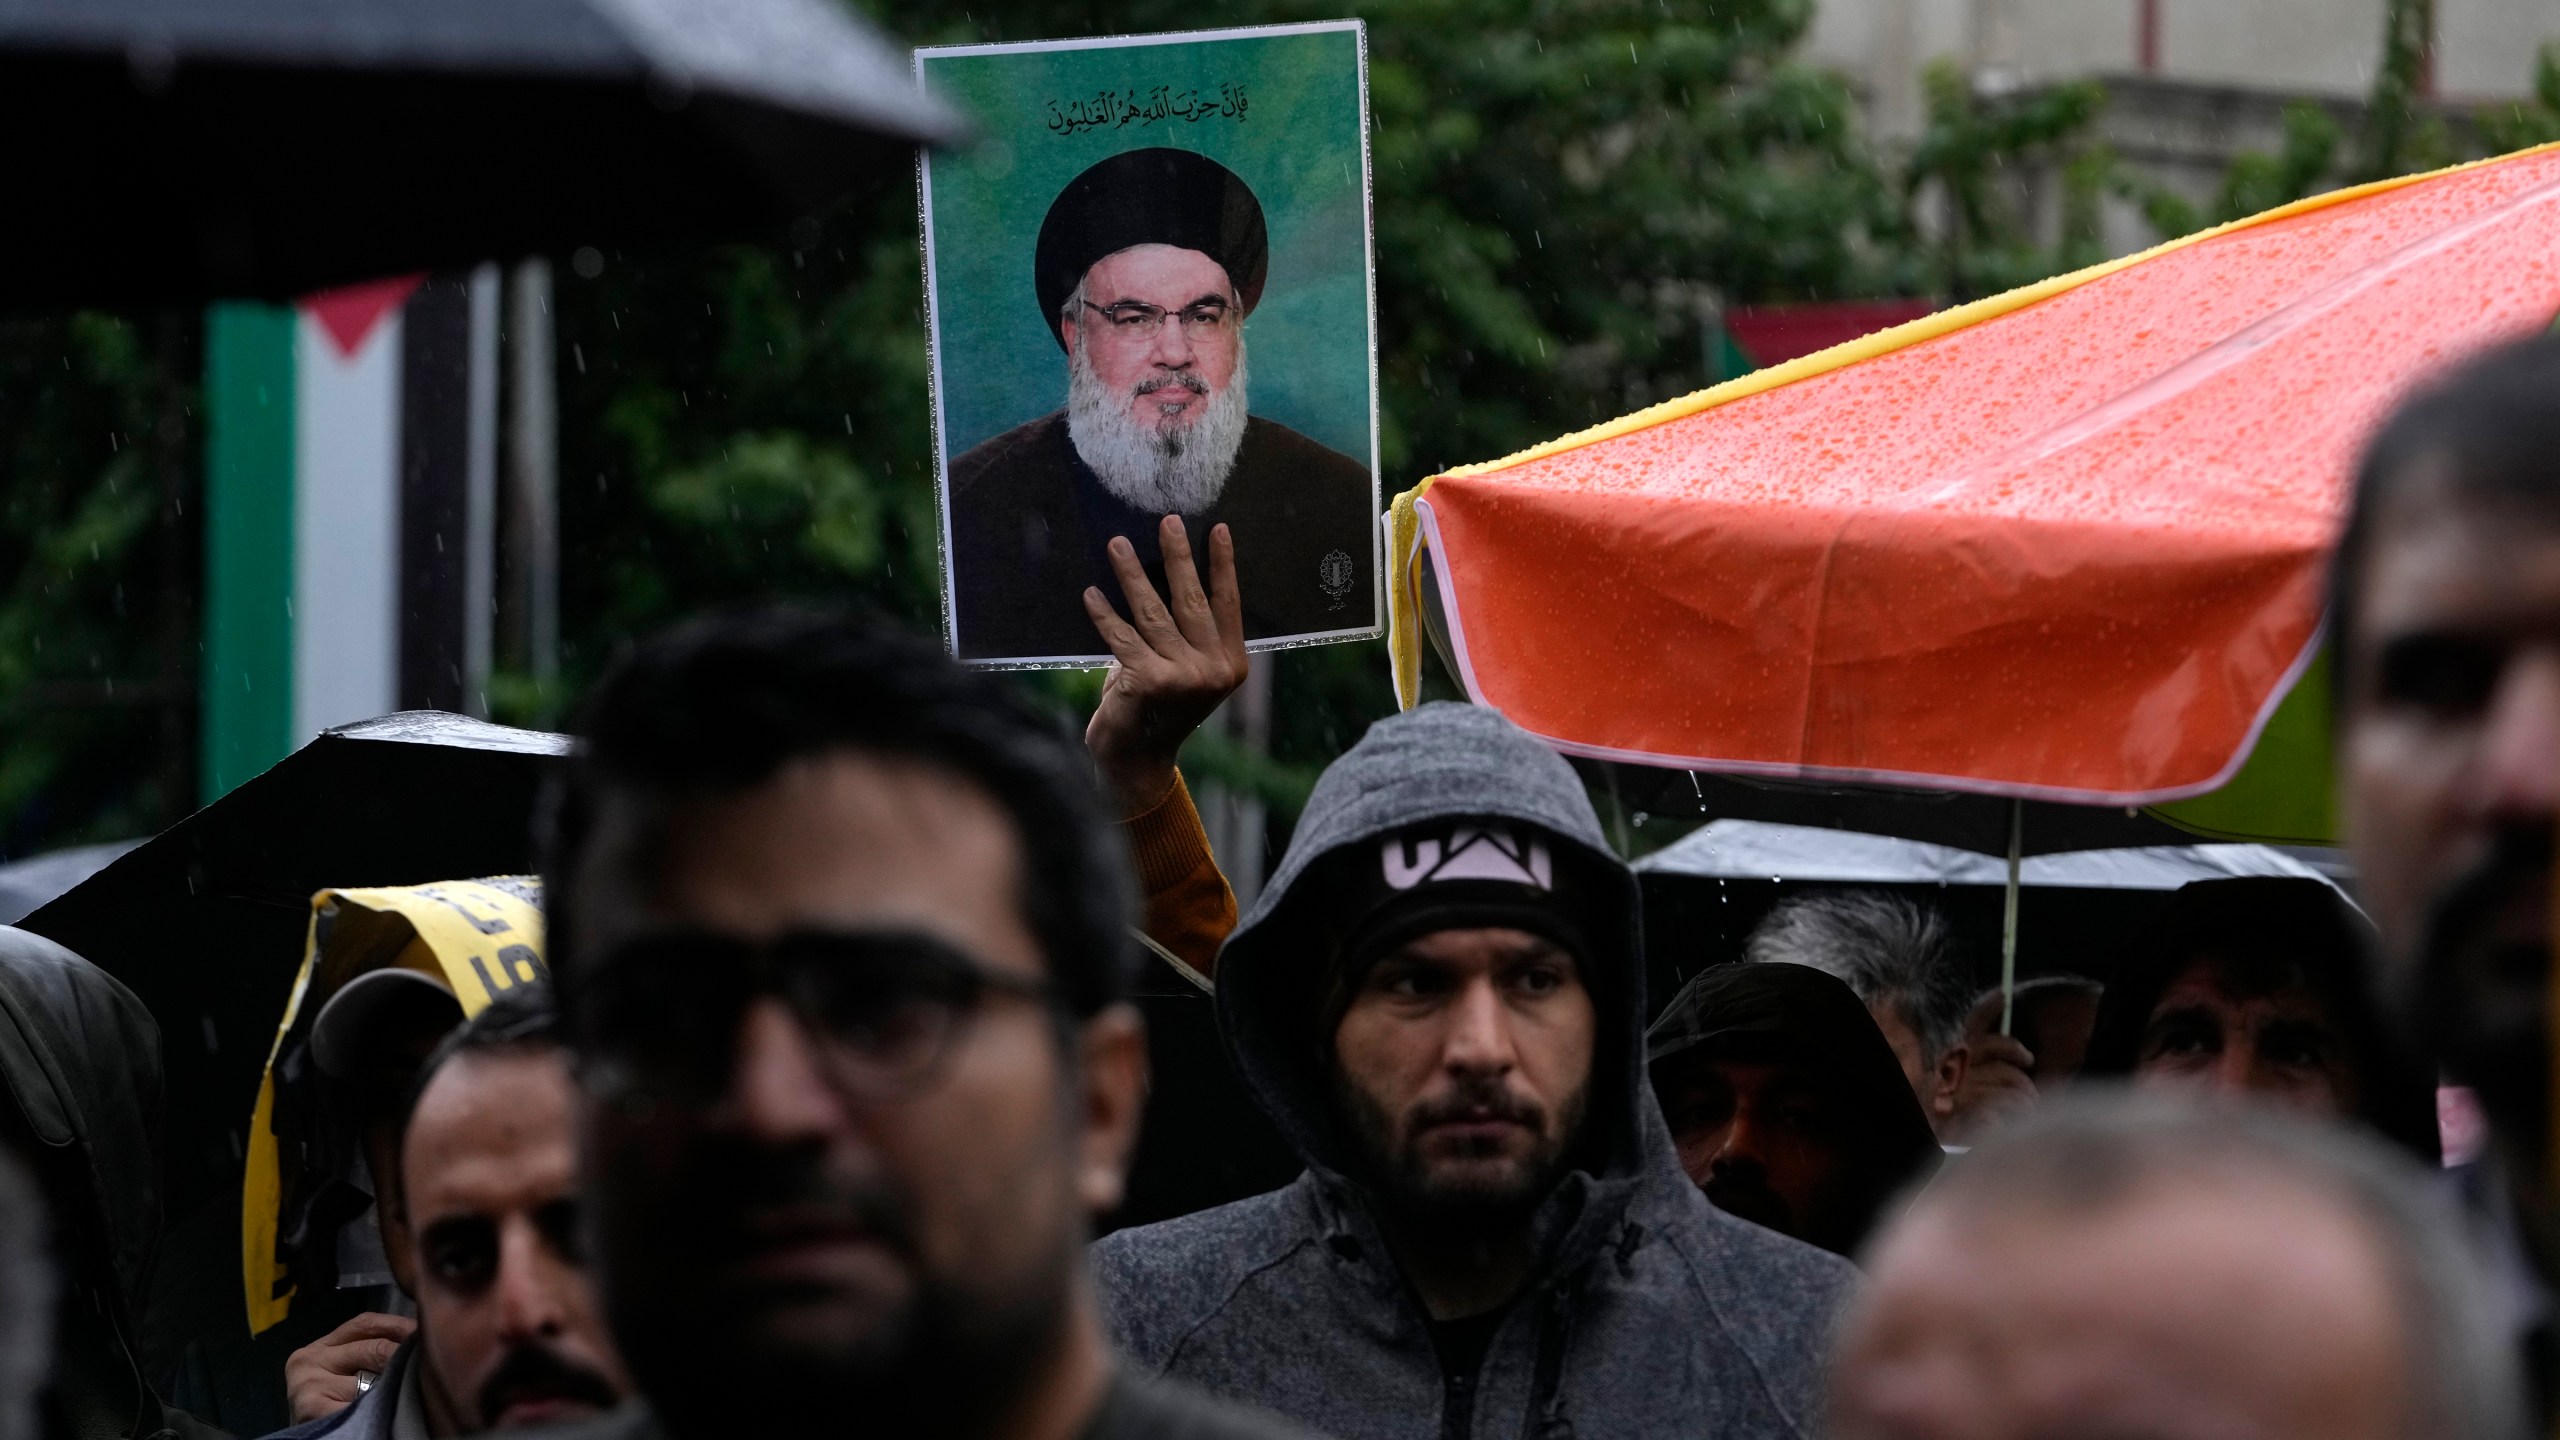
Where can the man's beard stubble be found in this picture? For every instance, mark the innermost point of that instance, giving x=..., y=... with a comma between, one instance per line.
x=1402, y=1180
x=948, y=1361
x=1156, y=472
x=2479, y=990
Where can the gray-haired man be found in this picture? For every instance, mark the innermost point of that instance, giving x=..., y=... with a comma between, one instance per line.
x=1901, y=958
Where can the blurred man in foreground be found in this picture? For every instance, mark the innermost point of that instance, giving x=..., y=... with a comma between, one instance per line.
x=509, y=1330
x=2255, y=988
x=842, y=929
x=1438, y=1000
x=2445, y=605
x=2129, y=1267
x=1786, y=1105
x=1901, y=958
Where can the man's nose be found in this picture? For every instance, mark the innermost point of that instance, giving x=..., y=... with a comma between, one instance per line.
x=528, y=1283
x=2518, y=776
x=1171, y=347
x=1738, y=1149
x=779, y=1092
x=1479, y=1040
x=2235, y=1070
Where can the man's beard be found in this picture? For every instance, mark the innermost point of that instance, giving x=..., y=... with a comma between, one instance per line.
x=1405, y=1182
x=947, y=1361
x=2478, y=988
x=1172, y=470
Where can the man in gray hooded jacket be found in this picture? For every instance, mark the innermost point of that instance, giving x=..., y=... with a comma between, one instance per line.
x=1439, y=1000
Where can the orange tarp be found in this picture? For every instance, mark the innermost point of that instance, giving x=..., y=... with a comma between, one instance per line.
x=2064, y=543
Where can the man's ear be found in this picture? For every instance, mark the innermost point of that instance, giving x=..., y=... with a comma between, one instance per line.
x=1111, y=1059
x=1951, y=1072
x=1067, y=335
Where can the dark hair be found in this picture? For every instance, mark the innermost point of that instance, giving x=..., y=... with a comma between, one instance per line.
x=523, y=1019
x=718, y=705
x=2492, y=425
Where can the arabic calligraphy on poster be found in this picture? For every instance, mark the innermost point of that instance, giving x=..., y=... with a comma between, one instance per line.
x=1111, y=109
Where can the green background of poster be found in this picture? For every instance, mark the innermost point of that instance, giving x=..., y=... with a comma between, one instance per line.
x=1297, y=147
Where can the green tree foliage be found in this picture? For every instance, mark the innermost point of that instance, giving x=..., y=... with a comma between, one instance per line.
x=1971, y=161
x=2530, y=122
x=97, y=577
x=2304, y=164
x=2400, y=136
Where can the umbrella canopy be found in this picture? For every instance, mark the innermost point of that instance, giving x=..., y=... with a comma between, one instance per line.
x=271, y=147
x=206, y=921
x=1704, y=894
x=1756, y=850
x=2063, y=544
x=26, y=884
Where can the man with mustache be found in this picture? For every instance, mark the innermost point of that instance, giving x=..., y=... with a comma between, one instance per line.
x=1438, y=999
x=1147, y=267
x=842, y=931
x=509, y=1330
x=2445, y=605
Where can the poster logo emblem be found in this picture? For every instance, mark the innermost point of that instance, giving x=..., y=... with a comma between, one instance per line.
x=1334, y=573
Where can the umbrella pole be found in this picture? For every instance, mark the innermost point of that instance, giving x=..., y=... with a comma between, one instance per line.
x=2009, y=918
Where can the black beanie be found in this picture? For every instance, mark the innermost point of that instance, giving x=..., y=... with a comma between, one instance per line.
x=1443, y=875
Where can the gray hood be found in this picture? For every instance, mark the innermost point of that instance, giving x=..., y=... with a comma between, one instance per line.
x=1651, y=1312
x=81, y=1058
x=1440, y=762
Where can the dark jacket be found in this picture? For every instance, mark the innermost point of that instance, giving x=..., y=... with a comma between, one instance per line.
x=1029, y=523
x=1133, y=1408
x=1651, y=1312
x=1797, y=1015
x=80, y=1057
x=2271, y=932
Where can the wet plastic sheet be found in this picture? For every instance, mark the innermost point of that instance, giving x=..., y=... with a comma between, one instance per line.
x=2065, y=544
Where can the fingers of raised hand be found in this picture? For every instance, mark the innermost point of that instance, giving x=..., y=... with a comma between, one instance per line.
x=1226, y=598
x=372, y=1325
x=1145, y=607
x=1126, y=648
x=1191, y=609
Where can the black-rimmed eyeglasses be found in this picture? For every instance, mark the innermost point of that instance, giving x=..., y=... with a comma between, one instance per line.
x=660, y=1013
x=1135, y=318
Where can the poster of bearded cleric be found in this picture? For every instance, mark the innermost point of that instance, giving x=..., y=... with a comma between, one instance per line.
x=1151, y=294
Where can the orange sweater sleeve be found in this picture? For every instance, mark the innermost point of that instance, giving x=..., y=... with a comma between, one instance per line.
x=1189, y=909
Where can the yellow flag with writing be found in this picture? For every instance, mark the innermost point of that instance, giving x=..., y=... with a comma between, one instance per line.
x=480, y=938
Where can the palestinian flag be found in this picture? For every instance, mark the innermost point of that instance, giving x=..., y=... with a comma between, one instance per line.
x=350, y=512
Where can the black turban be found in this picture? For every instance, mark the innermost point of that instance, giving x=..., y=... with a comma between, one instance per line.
x=1150, y=197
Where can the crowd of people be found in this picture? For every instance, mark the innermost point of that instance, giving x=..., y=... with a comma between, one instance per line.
x=836, y=1067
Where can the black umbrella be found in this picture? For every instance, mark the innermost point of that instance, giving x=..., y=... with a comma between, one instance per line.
x=178, y=149
x=206, y=920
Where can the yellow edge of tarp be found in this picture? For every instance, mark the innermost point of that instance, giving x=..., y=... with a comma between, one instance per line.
x=482, y=940
x=1404, y=632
